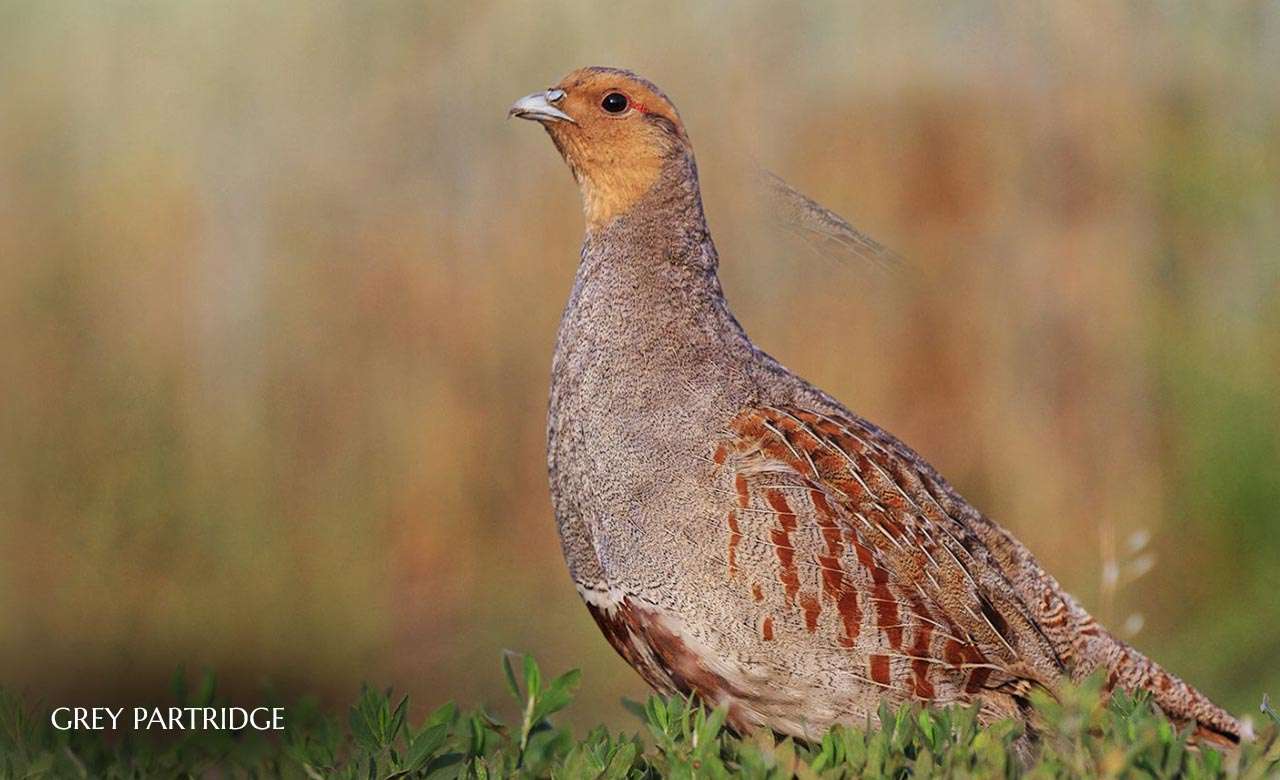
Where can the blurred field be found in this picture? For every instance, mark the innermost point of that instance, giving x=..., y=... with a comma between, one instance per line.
x=278, y=291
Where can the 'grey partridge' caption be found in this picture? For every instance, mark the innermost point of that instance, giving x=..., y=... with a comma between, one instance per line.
x=737, y=533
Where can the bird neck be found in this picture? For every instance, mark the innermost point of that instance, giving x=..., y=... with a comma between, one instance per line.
x=664, y=230
x=647, y=349
x=647, y=283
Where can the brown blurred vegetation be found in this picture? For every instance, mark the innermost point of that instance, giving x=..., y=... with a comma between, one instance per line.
x=278, y=290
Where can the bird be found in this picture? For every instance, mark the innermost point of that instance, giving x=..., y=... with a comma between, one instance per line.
x=738, y=534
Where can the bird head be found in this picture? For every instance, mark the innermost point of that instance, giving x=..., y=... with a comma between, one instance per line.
x=617, y=132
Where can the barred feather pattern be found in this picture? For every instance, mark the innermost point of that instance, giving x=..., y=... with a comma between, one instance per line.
x=833, y=522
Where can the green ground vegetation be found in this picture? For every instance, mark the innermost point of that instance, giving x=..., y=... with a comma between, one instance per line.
x=1082, y=734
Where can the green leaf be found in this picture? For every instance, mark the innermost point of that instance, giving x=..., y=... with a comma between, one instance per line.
x=424, y=745
x=449, y=765
x=374, y=725
x=446, y=713
x=510, y=675
x=392, y=727
x=710, y=727
x=558, y=695
x=532, y=677
x=620, y=764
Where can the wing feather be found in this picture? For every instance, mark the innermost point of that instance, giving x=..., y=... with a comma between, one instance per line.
x=844, y=526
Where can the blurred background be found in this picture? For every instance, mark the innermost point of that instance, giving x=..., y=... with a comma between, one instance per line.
x=279, y=288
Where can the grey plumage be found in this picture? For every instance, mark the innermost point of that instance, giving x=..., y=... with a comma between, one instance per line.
x=741, y=535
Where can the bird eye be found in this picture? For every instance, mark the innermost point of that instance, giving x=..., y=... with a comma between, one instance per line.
x=614, y=103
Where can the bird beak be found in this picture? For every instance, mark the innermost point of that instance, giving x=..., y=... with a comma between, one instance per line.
x=539, y=107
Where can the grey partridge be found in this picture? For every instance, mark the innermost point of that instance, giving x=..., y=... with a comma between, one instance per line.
x=737, y=533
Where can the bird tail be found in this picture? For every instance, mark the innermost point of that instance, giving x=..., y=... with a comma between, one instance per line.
x=1130, y=670
x=1087, y=648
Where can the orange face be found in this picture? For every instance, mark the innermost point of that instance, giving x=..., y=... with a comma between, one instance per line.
x=614, y=129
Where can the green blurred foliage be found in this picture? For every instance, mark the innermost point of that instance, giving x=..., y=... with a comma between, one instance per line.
x=1078, y=735
x=278, y=290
